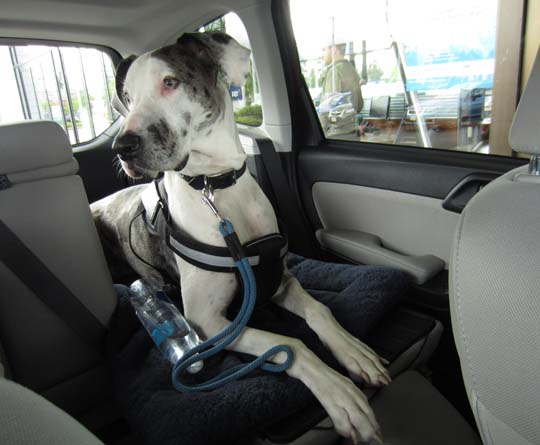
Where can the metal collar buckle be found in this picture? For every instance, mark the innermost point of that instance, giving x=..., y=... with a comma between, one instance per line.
x=208, y=198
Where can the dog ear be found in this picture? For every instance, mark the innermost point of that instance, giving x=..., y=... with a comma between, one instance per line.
x=122, y=69
x=231, y=57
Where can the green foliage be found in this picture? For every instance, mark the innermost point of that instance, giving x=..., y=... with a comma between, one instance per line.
x=375, y=72
x=75, y=104
x=249, y=115
x=248, y=86
x=249, y=110
x=216, y=25
x=312, y=82
x=248, y=89
x=252, y=121
x=393, y=75
x=84, y=102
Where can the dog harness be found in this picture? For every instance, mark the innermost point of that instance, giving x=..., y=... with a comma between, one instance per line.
x=265, y=254
x=230, y=333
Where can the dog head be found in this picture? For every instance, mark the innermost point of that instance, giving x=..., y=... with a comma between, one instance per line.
x=171, y=98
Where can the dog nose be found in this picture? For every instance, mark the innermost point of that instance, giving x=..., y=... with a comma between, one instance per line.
x=127, y=145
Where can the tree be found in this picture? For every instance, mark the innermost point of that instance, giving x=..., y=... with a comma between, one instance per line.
x=393, y=76
x=248, y=86
x=312, y=79
x=216, y=25
x=375, y=72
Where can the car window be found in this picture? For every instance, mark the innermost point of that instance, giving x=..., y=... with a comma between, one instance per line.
x=406, y=73
x=69, y=85
x=246, y=99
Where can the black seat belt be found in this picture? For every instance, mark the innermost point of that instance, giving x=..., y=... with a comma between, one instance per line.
x=289, y=210
x=41, y=281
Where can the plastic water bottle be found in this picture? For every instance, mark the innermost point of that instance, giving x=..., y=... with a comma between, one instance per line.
x=168, y=328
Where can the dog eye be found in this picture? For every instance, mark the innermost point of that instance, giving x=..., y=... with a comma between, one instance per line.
x=127, y=99
x=170, y=82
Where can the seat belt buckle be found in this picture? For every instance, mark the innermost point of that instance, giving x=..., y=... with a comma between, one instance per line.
x=4, y=182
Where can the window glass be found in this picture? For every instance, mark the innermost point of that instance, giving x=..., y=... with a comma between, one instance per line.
x=246, y=99
x=409, y=73
x=71, y=86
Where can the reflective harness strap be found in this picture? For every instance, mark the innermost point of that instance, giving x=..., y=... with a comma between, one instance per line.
x=205, y=256
x=217, y=259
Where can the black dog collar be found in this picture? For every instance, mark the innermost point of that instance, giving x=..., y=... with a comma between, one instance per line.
x=215, y=182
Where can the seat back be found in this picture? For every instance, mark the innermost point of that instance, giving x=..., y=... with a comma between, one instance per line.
x=495, y=291
x=43, y=202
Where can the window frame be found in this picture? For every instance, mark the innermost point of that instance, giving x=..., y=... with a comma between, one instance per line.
x=241, y=124
x=111, y=52
x=306, y=126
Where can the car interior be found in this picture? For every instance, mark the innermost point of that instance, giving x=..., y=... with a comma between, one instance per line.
x=442, y=185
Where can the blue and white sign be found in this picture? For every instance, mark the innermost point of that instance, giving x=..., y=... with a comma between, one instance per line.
x=446, y=45
x=236, y=92
x=453, y=67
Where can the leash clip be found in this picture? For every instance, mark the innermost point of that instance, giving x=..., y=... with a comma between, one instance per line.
x=208, y=198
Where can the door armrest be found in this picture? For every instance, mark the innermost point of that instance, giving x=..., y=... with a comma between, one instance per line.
x=366, y=248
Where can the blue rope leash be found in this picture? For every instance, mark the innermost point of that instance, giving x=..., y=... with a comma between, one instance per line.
x=220, y=341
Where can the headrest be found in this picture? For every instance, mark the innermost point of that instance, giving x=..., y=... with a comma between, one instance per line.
x=118, y=105
x=32, y=145
x=524, y=136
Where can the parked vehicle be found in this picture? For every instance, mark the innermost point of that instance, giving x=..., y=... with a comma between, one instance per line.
x=337, y=114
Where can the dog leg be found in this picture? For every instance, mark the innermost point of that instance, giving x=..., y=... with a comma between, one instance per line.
x=205, y=308
x=344, y=402
x=361, y=362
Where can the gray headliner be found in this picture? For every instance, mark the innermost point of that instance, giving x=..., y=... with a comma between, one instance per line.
x=129, y=26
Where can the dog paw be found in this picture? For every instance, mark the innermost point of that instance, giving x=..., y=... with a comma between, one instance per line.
x=362, y=362
x=348, y=408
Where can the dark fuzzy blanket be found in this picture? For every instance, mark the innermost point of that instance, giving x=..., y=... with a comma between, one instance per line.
x=357, y=295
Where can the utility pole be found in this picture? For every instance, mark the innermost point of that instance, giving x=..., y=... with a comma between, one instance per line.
x=334, y=88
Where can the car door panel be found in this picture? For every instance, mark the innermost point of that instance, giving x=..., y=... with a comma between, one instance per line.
x=384, y=194
x=409, y=224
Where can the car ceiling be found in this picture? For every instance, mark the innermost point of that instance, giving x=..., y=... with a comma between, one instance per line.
x=129, y=26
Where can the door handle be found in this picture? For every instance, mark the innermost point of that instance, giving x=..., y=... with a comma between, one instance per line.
x=470, y=185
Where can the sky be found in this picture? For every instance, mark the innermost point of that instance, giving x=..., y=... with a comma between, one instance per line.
x=10, y=105
x=431, y=23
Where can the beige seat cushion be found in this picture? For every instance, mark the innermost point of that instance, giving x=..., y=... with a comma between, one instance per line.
x=28, y=419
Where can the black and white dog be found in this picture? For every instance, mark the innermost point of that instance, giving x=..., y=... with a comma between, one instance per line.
x=179, y=118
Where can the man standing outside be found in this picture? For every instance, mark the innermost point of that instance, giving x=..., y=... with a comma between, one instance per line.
x=339, y=76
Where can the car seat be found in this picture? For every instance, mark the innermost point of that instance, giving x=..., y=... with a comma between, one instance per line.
x=494, y=289
x=43, y=207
